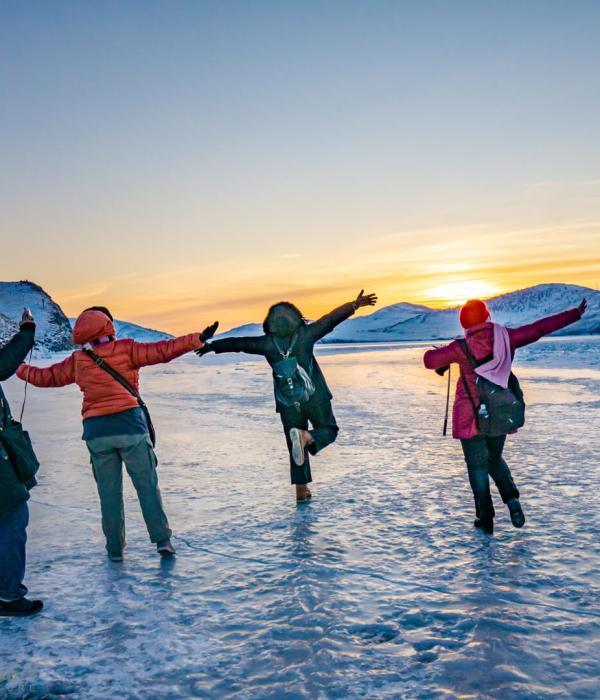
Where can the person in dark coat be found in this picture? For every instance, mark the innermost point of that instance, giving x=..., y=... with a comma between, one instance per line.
x=484, y=454
x=287, y=334
x=14, y=513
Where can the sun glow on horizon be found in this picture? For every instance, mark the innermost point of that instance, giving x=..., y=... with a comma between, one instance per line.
x=457, y=293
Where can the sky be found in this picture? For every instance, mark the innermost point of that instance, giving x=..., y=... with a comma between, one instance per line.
x=182, y=162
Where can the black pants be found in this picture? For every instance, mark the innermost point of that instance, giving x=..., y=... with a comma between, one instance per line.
x=324, y=431
x=483, y=456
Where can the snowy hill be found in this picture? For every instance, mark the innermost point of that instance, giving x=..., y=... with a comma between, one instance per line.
x=364, y=328
x=412, y=322
x=248, y=329
x=512, y=309
x=140, y=333
x=352, y=330
x=53, y=332
x=125, y=329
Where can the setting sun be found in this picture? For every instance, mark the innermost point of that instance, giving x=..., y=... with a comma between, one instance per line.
x=456, y=293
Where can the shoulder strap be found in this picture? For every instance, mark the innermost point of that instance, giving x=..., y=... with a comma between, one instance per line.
x=287, y=352
x=103, y=364
x=465, y=348
x=472, y=360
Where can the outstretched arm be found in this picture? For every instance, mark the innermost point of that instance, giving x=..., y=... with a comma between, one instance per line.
x=251, y=345
x=439, y=359
x=15, y=351
x=534, y=331
x=59, y=374
x=166, y=350
x=327, y=323
x=144, y=354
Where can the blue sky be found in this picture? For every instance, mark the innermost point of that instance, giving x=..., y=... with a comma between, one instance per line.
x=178, y=159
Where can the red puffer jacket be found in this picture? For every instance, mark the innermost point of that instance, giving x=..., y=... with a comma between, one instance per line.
x=480, y=339
x=103, y=395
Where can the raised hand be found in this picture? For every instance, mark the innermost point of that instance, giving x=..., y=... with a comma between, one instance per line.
x=209, y=331
x=365, y=299
x=206, y=348
x=582, y=307
x=26, y=318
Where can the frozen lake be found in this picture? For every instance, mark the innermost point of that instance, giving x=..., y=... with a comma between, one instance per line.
x=379, y=588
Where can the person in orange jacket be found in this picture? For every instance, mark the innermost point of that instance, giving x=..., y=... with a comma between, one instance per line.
x=114, y=425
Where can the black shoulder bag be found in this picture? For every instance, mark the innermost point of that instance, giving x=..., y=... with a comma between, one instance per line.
x=293, y=384
x=17, y=445
x=126, y=385
x=500, y=410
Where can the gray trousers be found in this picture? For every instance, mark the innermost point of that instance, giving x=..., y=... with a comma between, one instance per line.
x=107, y=456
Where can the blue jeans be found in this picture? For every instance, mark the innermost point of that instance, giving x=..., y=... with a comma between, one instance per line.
x=13, y=537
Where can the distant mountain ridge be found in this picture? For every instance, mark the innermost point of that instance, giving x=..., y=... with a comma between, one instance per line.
x=512, y=309
x=405, y=321
x=125, y=329
x=53, y=328
x=393, y=323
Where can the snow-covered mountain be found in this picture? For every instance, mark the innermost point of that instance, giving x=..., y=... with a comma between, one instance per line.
x=248, y=329
x=392, y=323
x=354, y=329
x=125, y=329
x=364, y=328
x=411, y=322
x=512, y=309
x=140, y=333
x=53, y=330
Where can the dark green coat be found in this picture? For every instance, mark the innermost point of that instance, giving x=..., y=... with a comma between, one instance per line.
x=12, y=491
x=308, y=334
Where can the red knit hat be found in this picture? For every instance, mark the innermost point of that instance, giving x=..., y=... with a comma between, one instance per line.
x=474, y=312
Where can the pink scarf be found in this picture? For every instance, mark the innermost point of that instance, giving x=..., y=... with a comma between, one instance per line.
x=498, y=369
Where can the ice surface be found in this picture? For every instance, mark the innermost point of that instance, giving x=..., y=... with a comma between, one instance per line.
x=380, y=588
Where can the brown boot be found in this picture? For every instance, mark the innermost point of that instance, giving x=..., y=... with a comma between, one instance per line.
x=303, y=493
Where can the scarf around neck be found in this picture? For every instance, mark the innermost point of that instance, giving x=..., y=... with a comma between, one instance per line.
x=498, y=369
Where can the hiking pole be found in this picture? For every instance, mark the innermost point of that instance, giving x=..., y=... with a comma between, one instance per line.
x=26, y=385
x=445, y=430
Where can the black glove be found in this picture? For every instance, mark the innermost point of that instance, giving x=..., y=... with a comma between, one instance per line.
x=27, y=322
x=209, y=331
x=203, y=350
x=442, y=370
x=582, y=307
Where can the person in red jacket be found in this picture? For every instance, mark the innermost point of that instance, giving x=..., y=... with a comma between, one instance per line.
x=483, y=454
x=114, y=425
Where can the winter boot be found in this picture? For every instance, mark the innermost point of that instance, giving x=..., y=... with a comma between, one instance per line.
x=303, y=493
x=115, y=556
x=20, y=608
x=516, y=512
x=485, y=526
x=165, y=548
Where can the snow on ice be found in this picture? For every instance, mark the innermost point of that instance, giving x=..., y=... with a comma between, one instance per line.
x=379, y=588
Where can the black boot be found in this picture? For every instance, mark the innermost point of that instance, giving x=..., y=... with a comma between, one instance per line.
x=20, y=608
x=517, y=516
x=486, y=526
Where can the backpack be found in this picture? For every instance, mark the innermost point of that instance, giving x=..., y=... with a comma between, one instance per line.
x=293, y=384
x=500, y=410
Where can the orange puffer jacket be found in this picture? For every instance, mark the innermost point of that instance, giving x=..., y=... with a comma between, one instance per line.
x=103, y=395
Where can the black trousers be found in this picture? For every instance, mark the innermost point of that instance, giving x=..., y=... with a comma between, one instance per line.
x=324, y=431
x=483, y=456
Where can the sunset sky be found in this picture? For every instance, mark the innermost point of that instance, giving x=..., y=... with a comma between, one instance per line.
x=182, y=162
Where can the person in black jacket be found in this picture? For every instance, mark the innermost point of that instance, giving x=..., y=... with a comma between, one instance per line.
x=14, y=513
x=301, y=392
